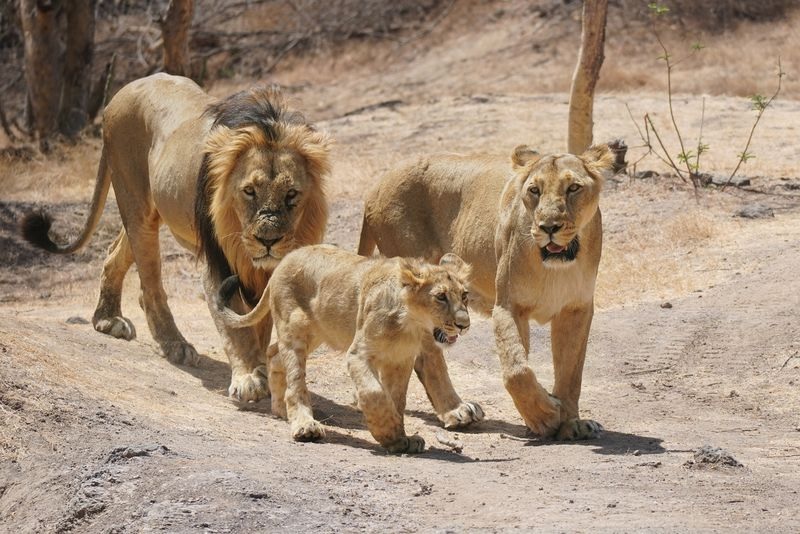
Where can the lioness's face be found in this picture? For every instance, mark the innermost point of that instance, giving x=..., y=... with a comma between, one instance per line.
x=269, y=190
x=561, y=197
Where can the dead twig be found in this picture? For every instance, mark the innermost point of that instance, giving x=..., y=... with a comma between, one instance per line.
x=646, y=371
x=789, y=358
x=514, y=438
x=454, y=444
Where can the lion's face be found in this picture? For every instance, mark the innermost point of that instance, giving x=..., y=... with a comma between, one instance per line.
x=440, y=292
x=561, y=195
x=269, y=190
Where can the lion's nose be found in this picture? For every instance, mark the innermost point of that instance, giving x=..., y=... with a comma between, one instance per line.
x=268, y=242
x=550, y=229
x=462, y=321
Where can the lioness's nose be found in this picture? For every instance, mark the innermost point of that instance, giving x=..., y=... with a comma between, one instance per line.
x=550, y=229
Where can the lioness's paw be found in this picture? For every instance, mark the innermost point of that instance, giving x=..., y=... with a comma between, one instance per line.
x=547, y=420
x=308, y=431
x=575, y=429
x=249, y=387
x=407, y=444
x=181, y=353
x=466, y=414
x=118, y=327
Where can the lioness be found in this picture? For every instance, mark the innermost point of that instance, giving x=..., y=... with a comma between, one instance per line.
x=383, y=309
x=532, y=233
x=238, y=180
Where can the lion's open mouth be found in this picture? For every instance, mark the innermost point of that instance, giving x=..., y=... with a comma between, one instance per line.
x=553, y=251
x=442, y=337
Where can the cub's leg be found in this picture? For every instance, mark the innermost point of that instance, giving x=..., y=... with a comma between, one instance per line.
x=277, y=381
x=431, y=369
x=383, y=420
x=141, y=222
x=108, y=317
x=244, y=347
x=569, y=333
x=394, y=377
x=298, y=404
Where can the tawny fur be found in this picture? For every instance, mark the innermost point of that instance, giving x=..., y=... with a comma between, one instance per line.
x=497, y=215
x=384, y=310
x=180, y=157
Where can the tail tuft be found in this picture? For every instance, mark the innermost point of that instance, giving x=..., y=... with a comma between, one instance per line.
x=35, y=229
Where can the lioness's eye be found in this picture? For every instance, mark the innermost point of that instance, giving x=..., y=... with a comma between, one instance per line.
x=249, y=191
x=574, y=188
x=534, y=191
x=442, y=297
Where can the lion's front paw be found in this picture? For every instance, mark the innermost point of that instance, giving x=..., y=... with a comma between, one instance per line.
x=575, y=429
x=466, y=414
x=407, y=444
x=118, y=327
x=308, y=431
x=249, y=387
x=547, y=419
x=181, y=353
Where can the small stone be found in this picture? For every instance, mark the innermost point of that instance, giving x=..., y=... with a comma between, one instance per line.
x=637, y=452
x=666, y=305
x=755, y=211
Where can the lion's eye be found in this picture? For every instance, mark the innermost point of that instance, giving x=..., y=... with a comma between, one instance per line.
x=249, y=191
x=574, y=188
x=441, y=297
x=534, y=191
x=465, y=296
x=291, y=195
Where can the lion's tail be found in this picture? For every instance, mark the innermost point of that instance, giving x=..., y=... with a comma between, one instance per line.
x=35, y=226
x=366, y=243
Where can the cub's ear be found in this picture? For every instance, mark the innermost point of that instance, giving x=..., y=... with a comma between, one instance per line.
x=523, y=156
x=411, y=273
x=456, y=266
x=606, y=160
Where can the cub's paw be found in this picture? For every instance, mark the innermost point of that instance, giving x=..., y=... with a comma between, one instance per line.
x=118, y=327
x=278, y=407
x=308, y=431
x=575, y=429
x=466, y=414
x=546, y=420
x=181, y=353
x=407, y=444
x=249, y=387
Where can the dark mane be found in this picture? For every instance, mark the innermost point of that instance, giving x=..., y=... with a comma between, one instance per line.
x=262, y=107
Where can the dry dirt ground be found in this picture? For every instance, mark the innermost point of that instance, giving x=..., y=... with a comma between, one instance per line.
x=103, y=435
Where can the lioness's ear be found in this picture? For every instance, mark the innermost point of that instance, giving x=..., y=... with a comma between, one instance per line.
x=523, y=155
x=605, y=160
x=410, y=273
x=456, y=265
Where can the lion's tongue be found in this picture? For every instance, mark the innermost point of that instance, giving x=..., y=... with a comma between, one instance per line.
x=554, y=249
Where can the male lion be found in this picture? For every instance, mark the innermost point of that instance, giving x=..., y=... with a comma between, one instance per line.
x=532, y=233
x=239, y=180
x=383, y=309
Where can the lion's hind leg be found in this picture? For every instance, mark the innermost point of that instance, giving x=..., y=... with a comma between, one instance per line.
x=108, y=317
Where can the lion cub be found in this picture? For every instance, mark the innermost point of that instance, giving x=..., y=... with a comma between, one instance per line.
x=382, y=309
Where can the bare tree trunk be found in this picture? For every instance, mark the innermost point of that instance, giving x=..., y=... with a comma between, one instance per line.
x=587, y=72
x=43, y=66
x=175, y=33
x=77, y=66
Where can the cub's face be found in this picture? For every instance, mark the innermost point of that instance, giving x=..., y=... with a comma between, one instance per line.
x=560, y=193
x=440, y=293
x=270, y=190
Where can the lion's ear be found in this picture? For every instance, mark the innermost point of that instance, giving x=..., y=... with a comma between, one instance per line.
x=605, y=160
x=456, y=265
x=523, y=156
x=411, y=273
